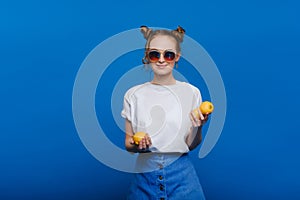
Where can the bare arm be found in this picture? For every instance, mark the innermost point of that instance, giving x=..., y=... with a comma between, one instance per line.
x=194, y=137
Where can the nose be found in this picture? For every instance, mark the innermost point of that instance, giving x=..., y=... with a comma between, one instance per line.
x=161, y=58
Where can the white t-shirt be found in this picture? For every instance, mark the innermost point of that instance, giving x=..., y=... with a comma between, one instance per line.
x=163, y=112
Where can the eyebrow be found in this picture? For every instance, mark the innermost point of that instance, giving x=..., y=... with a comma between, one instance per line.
x=162, y=50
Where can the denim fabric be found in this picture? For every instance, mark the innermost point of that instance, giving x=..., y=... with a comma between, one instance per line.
x=173, y=178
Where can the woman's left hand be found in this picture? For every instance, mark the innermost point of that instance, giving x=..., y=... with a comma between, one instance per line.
x=200, y=120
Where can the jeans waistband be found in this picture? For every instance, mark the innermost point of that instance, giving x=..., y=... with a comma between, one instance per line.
x=147, y=162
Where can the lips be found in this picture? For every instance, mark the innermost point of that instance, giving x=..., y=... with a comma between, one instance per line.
x=161, y=66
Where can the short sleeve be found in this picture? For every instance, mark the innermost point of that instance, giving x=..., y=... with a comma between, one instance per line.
x=126, y=112
x=197, y=98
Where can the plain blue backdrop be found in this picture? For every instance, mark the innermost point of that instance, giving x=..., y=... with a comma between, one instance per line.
x=255, y=45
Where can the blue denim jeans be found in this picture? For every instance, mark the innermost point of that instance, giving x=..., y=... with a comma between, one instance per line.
x=167, y=176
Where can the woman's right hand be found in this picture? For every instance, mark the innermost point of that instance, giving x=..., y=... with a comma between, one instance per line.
x=144, y=143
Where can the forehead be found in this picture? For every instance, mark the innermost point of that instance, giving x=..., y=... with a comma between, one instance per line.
x=163, y=42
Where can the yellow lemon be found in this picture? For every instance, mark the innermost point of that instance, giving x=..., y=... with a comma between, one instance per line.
x=138, y=136
x=206, y=107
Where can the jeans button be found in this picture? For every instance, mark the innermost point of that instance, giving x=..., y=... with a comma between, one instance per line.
x=160, y=166
x=161, y=187
x=160, y=177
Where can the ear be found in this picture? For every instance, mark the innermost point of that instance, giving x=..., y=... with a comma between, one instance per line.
x=179, y=33
x=145, y=31
x=177, y=57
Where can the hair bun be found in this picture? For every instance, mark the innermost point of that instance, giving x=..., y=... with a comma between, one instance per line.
x=146, y=31
x=179, y=33
x=180, y=30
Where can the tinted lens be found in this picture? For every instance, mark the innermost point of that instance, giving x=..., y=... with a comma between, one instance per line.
x=154, y=56
x=169, y=56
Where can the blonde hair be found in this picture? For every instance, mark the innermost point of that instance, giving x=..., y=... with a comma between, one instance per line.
x=150, y=34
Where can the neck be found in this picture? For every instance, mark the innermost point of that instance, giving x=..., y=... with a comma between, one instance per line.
x=163, y=80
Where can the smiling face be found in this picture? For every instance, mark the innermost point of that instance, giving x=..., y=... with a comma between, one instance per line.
x=161, y=43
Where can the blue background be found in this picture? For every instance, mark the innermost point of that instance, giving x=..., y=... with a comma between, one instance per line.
x=255, y=45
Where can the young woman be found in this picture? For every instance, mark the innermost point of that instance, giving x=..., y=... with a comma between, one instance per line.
x=163, y=109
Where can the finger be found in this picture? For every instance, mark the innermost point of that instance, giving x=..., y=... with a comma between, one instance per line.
x=195, y=120
x=206, y=117
x=131, y=141
x=141, y=144
x=146, y=137
x=148, y=141
x=200, y=114
x=192, y=119
x=194, y=115
x=145, y=143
